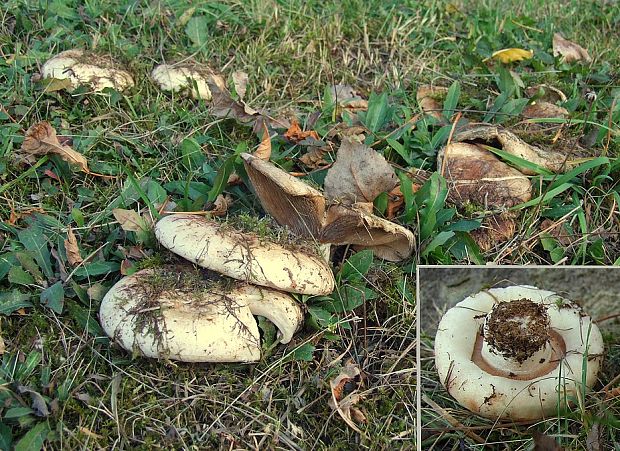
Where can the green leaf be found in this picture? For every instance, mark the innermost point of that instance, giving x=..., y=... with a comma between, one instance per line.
x=517, y=161
x=224, y=172
x=430, y=199
x=78, y=216
x=155, y=192
x=349, y=298
x=588, y=165
x=439, y=240
x=192, y=155
x=323, y=317
x=28, y=263
x=34, y=241
x=197, y=30
x=34, y=438
x=356, y=266
x=6, y=437
x=303, y=353
x=465, y=225
x=97, y=269
x=377, y=114
x=12, y=301
x=407, y=190
x=19, y=276
x=7, y=261
x=27, y=368
x=452, y=100
x=85, y=319
x=54, y=297
x=17, y=412
x=400, y=150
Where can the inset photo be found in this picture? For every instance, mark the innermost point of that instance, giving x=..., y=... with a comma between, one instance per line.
x=521, y=356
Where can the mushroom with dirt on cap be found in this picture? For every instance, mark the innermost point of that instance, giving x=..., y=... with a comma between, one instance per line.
x=517, y=352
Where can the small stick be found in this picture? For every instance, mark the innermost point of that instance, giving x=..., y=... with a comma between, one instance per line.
x=445, y=152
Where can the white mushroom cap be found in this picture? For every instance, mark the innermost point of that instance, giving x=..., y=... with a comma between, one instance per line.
x=84, y=68
x=244, y=256
x=197, y=80
x=158, y=313
x=525, y=382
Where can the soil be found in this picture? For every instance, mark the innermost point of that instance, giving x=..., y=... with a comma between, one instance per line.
x=596, y=289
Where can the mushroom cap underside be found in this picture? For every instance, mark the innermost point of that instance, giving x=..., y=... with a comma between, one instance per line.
x=519, y=397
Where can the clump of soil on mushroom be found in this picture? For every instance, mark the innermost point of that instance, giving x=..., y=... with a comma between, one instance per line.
x=517, y=329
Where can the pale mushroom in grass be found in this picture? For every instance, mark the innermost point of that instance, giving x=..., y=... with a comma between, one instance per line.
x=84, y=68
x=244, y=256
x=198, y=80
x=517, y=353
x=176, y=313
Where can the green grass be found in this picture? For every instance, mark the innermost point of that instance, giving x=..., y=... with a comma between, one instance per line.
x=153, y=145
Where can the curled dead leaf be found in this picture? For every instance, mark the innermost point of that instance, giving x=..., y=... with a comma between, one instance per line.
x=314, y=158
x=264, y=148
x=569, y=51
x=343, y=403
x=348, y=98
x=221, y=205
x=73, y=251
x=296, y=134
x=359, y=174
x=428, y=97
x=41, y=139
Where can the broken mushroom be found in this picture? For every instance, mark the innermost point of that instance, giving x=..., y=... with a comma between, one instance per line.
x=86, y=68
x=516, y=352
x=199, y=81
x=177, y=313
x=244, y=256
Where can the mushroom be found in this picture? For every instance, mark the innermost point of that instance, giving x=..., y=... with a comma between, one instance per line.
x=516, y=352
x=244, y=256
x=302, y=208
x=86, y=68
x=175, y=312
x=198, y=80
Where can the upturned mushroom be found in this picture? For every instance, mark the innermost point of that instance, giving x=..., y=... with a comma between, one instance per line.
x=304, y=209
x=177, y=313
x=84, y=68
x=517, y=353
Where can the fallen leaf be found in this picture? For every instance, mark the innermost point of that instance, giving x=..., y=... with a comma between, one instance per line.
x=51, y=175
x=347, y=98
x=221, y=205
x=41, y=139
x=494, y=229
x=569, y=51
x=2, y=346
x=73, y=251
x=543, y=442
x=56, y=84
x=126, y=267
x=234, y=179
x=343, y=403
x=96, y=291
x=546, y=92
x=15, y=216
x=428, y=97
x=129, y=220
x=240, y=81
x=507, y=56
x=296, y=134
x=314, y=158
x=544, y=109
x=264, y=148
x=359, y=174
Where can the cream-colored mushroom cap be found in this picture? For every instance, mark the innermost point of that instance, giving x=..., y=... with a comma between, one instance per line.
x=197, y=80
x=85, y=68
x=244, y=256
x=514, y=352
x=174, y=313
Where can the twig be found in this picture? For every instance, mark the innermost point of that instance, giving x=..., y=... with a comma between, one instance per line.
x=445, y=151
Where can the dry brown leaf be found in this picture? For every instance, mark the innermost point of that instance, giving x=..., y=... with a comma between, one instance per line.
x=126, y=266
x=494, y=229
x=129, y=220
x=2, y=346
x=547, y=93
x=314, y=158
x=264, y=148
x=240, y=81
x=15, y=216
x=221, y=205
x=345, y=404
x=359, y=174
x=73, y=250
x=296, y=134
x=544, y=109
x=428, y=97
x=348, y=99
x=569, y=51
x=41, y=139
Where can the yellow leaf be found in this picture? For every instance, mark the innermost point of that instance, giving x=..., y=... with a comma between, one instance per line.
x=511, y=55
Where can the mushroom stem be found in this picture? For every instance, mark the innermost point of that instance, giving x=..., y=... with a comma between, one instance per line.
x=516, y=336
